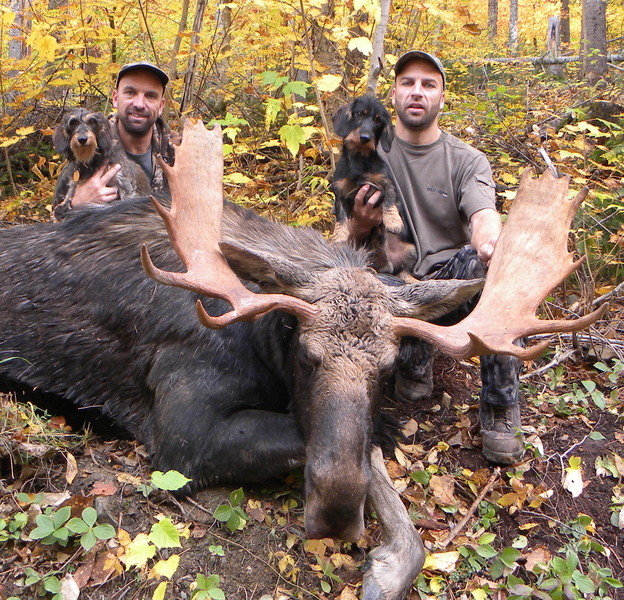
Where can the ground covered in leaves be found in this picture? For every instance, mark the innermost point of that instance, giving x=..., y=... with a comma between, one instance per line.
x=548, y=527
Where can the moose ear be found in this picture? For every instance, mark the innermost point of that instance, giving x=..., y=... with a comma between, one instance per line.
x=342, y=121
x=264, y=269
x=428, y=300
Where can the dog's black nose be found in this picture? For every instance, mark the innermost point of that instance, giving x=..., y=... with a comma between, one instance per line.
x=365, y=137
x=82, y=139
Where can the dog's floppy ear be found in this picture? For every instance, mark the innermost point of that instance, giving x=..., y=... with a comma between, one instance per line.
x=105, y=134
x=342, y=120
x=60, y=139
x=387, y=134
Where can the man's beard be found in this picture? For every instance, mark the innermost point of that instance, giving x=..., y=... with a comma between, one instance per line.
x=416, y=123
x=135, y=128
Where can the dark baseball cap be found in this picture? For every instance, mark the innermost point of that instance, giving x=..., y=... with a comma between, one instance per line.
x=419, y=55
x=143, y=66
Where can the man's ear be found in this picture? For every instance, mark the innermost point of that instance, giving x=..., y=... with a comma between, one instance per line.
x=115, y=95
x=442, y=100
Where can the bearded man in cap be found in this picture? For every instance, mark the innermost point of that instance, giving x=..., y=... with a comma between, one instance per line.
x=139, y=98
x=447, y=201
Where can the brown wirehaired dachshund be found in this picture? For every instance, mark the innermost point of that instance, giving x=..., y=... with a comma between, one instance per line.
x=86, y=139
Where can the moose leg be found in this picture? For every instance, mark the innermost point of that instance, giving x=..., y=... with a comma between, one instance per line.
x=217, y=428
x=392, y=567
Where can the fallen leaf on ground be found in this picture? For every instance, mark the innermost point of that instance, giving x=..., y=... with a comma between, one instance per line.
x=441, y=561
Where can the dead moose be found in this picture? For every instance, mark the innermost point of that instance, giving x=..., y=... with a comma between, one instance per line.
x=242, y=400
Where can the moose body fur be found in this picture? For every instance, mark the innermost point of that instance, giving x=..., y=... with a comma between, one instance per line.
x=80, y=319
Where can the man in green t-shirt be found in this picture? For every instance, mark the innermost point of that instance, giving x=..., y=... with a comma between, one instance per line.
x=447, y=201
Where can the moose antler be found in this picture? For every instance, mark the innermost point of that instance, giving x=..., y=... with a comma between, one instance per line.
x=530, y=260
x=194, y=227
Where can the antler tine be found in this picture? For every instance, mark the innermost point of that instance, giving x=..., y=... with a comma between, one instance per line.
x=530, y=260
x=194, y=227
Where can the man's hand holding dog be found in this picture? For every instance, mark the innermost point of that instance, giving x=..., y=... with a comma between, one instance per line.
x=367, y=213
x=95, y=190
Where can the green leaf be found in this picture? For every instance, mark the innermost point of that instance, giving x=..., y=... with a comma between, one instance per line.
x=77, y=525
x=486, y=538
x=45, y=527
x=293, y=136
x=235, y=523
x=589, y=385
x=61, y=516
x=164, y=534
x=89, y=516
x=211, y=582
x=616, y=583
x=486, y=551
x=170, y=481
x=104, y=531
x=509, y=556
x=421, y=477
x=216, y=594
x=597, y=436
x=299, y=88
x=222, y=513
x=236, y=497
x=583, y=583
x=325, y=586
x=88, y=540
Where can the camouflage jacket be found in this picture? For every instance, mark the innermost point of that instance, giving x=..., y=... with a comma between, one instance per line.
x=161, y=144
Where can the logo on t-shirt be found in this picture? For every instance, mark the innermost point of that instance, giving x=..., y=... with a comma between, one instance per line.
x=437, y=191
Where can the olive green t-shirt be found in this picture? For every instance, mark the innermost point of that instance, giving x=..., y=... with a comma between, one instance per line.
x=439, y=186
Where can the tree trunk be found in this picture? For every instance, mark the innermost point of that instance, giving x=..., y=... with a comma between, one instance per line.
x=553, y=45
x=376, y=60
x=513, y=25
x=492, y=18
x=565, y=22
x=189, y=77
x=19, y=29
x=594, y=40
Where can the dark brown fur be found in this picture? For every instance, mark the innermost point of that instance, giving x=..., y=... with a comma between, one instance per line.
x=86, y=139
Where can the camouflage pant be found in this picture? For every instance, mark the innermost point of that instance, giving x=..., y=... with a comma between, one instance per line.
x=499, y=373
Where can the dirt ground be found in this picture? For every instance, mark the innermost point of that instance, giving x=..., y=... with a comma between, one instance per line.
x=269, y=558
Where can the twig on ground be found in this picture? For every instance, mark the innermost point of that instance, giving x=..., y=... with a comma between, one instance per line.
x=614, y=292
x=473, y=508
x=557, y=359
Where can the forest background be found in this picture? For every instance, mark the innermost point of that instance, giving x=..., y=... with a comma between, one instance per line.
x=531, y=84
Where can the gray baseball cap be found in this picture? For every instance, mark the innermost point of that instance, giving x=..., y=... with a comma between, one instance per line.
x=419, y=55
x=143, y=66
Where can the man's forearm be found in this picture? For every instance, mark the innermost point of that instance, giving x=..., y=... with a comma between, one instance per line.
x=486, y=227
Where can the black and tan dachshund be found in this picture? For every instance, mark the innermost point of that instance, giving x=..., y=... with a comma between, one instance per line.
x=86, y=139
x=363, y=125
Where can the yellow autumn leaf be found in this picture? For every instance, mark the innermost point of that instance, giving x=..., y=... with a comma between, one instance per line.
x=363, y=44
x=441, y=561
x=328, y=83
x=7, y=17
x=237, y=178
x=165, y=568
x=159, y=592
x=24, y=131
x=507, y=499
x=46, y=45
